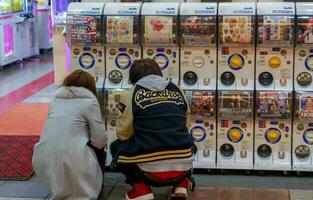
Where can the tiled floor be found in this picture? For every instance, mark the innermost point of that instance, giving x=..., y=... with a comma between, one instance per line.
x=232, y=186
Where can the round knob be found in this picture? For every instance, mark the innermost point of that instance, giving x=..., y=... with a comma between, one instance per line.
x=235, y=134
x=264, y=151
x=309, y=62
x=227, y=78
x=274, y=62
x=198, y=133
x=272, y=135
x=115, y=76
x=308, y=136
x=190, y=78
x=266, y=78
x=302, y=151
x=236, y=62
x=304, y=79
x=227, y=150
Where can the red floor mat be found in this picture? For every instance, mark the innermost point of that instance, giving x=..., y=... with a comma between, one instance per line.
x=16, y=157
x=20, y=129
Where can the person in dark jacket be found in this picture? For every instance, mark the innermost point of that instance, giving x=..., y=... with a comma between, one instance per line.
x=153, y=143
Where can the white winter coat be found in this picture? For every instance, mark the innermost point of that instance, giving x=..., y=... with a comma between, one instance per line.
x=62, y=159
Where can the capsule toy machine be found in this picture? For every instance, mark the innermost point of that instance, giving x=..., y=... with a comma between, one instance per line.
x=160, y=39
x=44, y=19
x=236, y=51
x=7, y=27
x=122, y=42
x=198, y=46
x=274, y=52
x=235, y=130
x=84, y=28
x=302, y=140
x=273, y=130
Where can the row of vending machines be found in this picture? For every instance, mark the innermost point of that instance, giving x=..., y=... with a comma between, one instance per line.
x=246, y=69
x=25, y=27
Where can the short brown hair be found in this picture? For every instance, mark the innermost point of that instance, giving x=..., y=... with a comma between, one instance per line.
x=143, y=67
x=80, y=78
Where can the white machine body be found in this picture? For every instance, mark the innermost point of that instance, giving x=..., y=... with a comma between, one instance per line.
x=273, y=131
x=160, y=39
x=235, y=130
x=274, y=53
x=198, y=46
x=203, y=127
x=236, y=51
x=304, y=48
x=84, y=35
x=302, y=141
x=44, y=20
x=122, y=42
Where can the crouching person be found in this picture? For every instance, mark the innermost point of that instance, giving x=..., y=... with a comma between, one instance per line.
x=65, y=158
x=154, y=147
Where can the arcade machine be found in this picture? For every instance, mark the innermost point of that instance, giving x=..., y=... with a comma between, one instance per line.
x=60, y=47
x=303, y=119
x=160, y=39
x=236, y=86
x=44, y=20
x=122, y=42
x=32, y=29
x=84, y=28
x=274, y=71
x=236, y=46
x=122, y=48
x=7, y=26
x=198, y=72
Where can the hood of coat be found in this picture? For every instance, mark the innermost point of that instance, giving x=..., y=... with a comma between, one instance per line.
x=74, y=92
x=153, y=83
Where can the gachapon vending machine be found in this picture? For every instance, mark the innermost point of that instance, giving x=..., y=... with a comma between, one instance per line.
x=84, y=33
x=273, y=131
x=198, y=46
x=275, y=46
x=7, y=33
x=203, y=127
x=235, y=130
x=160, y=37
x=122, y=42
x=302, y=141
x=236, y=51
x=44, y=19
x=302, y=145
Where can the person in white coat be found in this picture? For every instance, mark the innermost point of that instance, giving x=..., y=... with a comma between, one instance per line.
x=64, y=158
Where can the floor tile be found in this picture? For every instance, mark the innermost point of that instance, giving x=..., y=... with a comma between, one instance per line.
x=301, y=194
x=26, y=189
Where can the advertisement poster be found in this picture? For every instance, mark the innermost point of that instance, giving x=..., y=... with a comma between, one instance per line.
x=198, y=30
x=306, y=107
x=236, y=105
x=202, y=103
x=237, y=29
x=120, y=30
x=276, y=28
x=83, y=28
x=305, y=30
x=158, y=29
x=273, y=105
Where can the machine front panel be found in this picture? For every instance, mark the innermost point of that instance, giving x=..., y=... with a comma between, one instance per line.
x=235, y=130
x=203, y=127
x=274, y=55
x=236, y=52
x=273, y=130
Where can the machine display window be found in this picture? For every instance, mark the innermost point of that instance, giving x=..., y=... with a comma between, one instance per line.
x=198, y=30
x=306, y=107
x=305, y=30
x=202, y=103
x=273, y=105
x=236, y=105
x=236, y=30
x=122, y=30
x=6, y=6
x=275, y=30
x=84, y=29
x=160, y=30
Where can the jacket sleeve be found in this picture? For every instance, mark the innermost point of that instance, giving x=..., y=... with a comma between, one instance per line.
x=124, y=128
x=98, y=136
